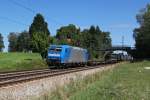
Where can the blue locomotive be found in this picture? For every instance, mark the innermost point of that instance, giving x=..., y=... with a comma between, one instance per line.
x=67, y=55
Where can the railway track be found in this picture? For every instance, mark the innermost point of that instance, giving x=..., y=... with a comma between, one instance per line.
x=18, y=77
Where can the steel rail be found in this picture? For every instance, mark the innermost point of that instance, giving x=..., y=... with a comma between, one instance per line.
x=33, y=75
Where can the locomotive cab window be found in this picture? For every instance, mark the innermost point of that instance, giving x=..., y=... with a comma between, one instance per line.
x=58, y=49
x=55, y=49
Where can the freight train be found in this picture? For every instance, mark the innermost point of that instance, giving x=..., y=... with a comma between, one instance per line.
x=65, y=55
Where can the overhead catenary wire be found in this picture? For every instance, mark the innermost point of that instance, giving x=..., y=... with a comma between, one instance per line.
x=32, y=10
x=13, y=21
x=20, y=5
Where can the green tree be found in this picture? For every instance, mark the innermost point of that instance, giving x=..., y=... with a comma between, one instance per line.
x=1, y=43
x=68, y=35
x=23, y=42
x=12, y=38
x=90, y=41
x=41, y=43
x=52, y=40
x=94, y=39
x=142, y=34
x=39, y=35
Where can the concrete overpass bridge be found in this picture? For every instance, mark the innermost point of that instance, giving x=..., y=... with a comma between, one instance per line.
x=124, y=48
x=117, y=47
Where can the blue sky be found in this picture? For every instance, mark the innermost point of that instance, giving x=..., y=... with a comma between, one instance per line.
x=115, y=16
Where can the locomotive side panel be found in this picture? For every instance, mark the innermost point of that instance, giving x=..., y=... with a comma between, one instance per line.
x=77, y=55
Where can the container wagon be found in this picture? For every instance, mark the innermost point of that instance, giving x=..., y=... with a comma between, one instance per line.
x=66, y=55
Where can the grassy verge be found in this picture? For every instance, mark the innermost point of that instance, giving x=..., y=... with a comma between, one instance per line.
x=20, y=61
x=129, y=81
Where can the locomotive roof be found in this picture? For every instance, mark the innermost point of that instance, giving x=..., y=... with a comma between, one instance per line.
x=65, y=46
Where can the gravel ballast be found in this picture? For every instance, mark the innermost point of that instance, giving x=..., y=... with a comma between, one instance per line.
x=36, y=88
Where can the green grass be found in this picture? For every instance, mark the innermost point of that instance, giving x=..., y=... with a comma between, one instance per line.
x=20, y=61
x=128, y=81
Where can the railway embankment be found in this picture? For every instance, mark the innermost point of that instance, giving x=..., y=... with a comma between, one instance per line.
x=37, y=88
x=128, y=81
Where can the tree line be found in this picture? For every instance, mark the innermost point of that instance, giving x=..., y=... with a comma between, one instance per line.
x=34, y=40
x=38, y=38
x=92, y=39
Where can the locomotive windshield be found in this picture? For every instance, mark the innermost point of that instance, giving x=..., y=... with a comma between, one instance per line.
x=55, y=49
